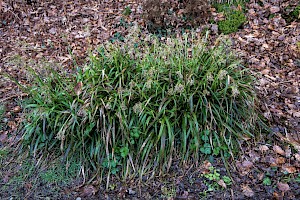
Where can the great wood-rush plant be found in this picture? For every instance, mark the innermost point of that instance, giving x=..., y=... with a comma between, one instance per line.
x=140, y=105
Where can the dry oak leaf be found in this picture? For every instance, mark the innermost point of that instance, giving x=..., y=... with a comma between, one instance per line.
x=3, y=138
x=296, y=114
x=284, y=187
x=247, y=164
x=289, y=169
x=222, y=183
x=206, y=164
x=263, y=148
x=280, y=160
x=278, y=150
x=88, y=191
x=16, y=109
x=204, y=168
x=78, y=88
x=247, y=191
x=297, y=156
x=12, y=125
x=274, y=9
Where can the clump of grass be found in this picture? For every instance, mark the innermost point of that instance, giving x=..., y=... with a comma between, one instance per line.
x=127, y=11
x=136, y=107
x=59, y=173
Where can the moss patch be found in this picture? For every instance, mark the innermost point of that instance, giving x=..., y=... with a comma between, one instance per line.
x=234, y=16
x=234, y=20
x=293, y=15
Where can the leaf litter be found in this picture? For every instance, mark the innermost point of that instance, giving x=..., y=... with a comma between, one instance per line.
x=268, y=44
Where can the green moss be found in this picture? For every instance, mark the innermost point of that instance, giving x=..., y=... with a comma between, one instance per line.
x=296, y=12
x=234, y=17
x=233, y=20
x=293, y=15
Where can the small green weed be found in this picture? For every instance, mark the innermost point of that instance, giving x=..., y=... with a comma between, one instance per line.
x=267, y=181
x=214, y=174
x=123, y=23
x=27, y=169
x=271, y=16
x=117, y=37
x=127, y=11
x=213, y=177
x=168, y=192
x=227, y=180
x=297, y=179
x=2, y=112
x=3, y=153
x=112, y=164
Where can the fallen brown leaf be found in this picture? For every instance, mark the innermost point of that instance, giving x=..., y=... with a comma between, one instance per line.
x=247, y=191
x=280, y=160
x=222, y=183
x=263, y=148
x=278, y=150
x=274, y=9
x=289, y=169
x=88, y=191
x=284, y=187
x=247, y=164
x=17, y=109
x=206, y=164
x=77, y=88
x=260, y=176
x=3, y=138
x=297, y=156
x=12, y=125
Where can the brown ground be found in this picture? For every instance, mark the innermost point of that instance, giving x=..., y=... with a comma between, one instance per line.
x=47, y=31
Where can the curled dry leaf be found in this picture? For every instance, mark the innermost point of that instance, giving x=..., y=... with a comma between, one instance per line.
x=206, y=164
x=222, y=183
x=247, y=164
x=185, y=194
x=88, y=191
x=263, y=148
x=284, y=187
x=3, y=138
x=280, y=160
x=260, y=176
x=17, y=109
x=289, y=169
x=247, y=191
x=276, y=195
x=288, y=152
x=77, y=88
x=274, y=9
x=278, y=150
x=204, y=168
x=297, y=156
x=12, y=125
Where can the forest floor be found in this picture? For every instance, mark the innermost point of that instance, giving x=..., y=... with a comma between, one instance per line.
x=44, y=33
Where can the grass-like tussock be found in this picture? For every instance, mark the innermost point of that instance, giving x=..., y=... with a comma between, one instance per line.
x=135, y=108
